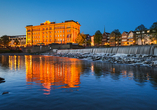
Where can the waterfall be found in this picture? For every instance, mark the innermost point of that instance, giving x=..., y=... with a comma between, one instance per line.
x=144, y=49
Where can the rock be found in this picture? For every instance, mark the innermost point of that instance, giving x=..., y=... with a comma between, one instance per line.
x=1, y=79
x=5, y=93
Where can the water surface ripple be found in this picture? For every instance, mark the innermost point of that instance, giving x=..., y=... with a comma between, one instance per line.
x=37, y=82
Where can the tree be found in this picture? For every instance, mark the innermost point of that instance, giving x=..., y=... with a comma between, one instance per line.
x=98, y=37
x=154, y=26
x=5, y=40
x=141, y=28
x=117, y=32
x=81, y=37
x=16, y=42
x=153, y=37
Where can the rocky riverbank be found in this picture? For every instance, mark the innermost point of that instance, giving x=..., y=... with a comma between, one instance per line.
x=131, y=59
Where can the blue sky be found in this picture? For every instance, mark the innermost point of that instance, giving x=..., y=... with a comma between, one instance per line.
x=93, y=15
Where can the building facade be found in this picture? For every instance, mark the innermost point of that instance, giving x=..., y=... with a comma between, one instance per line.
x=131, y=38
x=146, y=37
x=124, y=40
x=115, y=39
x=51, y=32
x=20, y=38
x=105, y=38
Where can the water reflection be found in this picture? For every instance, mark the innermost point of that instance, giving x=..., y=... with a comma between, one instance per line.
x=55, y=73
x=52, y=73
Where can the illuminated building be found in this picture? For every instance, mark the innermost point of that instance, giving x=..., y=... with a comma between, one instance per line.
x=92, y=40
x=20, y=38
x=124, y=40
x=146, y=37
x=51, y=32
x=105, y=38
x=115, y=39
x=131, y=38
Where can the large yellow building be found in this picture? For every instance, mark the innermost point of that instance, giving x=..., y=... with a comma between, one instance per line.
x=51, y=32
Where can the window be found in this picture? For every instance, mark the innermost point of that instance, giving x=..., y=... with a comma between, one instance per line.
x=50, y=35
x=63, y=39
x=58, y=35
x=63, y=31
x=60, y=31
x=47, y=36
x=43, y=32
x=50, y=28
x=55, y=35
x=46, y=40
x=43, y=36
x=63, y=35
x=46, y=28
x=50, y=40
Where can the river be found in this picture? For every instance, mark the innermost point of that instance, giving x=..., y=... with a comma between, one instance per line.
x=36, y=82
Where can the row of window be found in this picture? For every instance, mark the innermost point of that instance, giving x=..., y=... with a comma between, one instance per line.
x=47, y=32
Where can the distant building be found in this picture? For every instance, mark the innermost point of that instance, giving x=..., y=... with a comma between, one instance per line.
x=124, y=39
x=115, y=39
x=20, y=38
x=131, y=38
x=105, y=38
x=144, y=37
x=51, y=32
x=92, y=40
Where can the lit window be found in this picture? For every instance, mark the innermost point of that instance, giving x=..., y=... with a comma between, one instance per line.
x=63, y=35
x=58, y=31
x=63, y=39
x=46, y=40
x=58, y=35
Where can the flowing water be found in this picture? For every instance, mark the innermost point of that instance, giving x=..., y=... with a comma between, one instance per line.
x=59, y=83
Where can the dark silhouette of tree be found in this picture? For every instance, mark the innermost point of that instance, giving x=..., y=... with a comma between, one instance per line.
x=98, y=37
x=117, y=32
x=5, y=40
x=154, y=26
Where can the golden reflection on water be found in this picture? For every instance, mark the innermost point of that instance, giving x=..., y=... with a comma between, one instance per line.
x=52, y=74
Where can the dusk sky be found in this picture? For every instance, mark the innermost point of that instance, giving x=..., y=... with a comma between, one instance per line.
x=93, y=15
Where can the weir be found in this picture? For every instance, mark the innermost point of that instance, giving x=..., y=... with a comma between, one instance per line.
x=143, y=49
